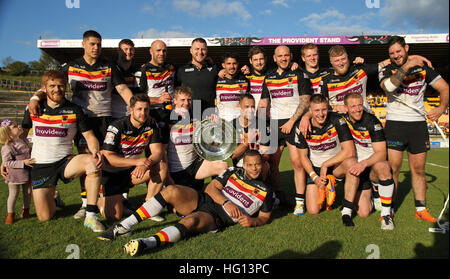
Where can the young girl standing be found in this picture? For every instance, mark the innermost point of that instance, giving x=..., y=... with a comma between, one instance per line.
x=16, y=154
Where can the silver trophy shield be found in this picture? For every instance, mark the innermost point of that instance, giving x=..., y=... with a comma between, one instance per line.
x=214, y=140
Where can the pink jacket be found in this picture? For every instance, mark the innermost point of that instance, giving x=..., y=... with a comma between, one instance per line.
x=13, y=155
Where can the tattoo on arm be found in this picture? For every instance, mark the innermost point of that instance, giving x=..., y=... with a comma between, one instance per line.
x=302, y=107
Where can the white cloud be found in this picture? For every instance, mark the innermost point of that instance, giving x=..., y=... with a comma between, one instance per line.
x=153, y=33
x=280, y=3
x=213, y=8
x=420, y=14
x=333, y=22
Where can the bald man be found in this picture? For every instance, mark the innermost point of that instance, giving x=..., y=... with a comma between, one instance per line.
x=287, y=94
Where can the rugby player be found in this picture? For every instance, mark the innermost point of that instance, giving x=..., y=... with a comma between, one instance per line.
x=405, y=81
x=236, y=196
x=131, y=74
x=123, y=146
x=157, y=80
x=247, y=133
x=92, y=80
x=327, y=149
x=287, y=94
x=257, y=71
x=230, y=88
x=315, y=73
x=200, y=74
x=372, y=166
x=346, y=78
x=53, y=132
x=186, y=167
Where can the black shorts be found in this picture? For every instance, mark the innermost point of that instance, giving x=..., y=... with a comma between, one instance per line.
x=99, y=125
x=364, y=180
x=115, y=183
x=47, y=175
x=317, y=171
x=162, y=118
x=281, y=138
x=186, y=177
x=207, y=204
x=412, y=136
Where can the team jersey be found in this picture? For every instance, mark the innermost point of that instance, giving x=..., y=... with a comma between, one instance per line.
x=284, y=90
x=92, y=85
x=240, y=137
x=54, y=130
x=228, y=92
x=256, y=85
x=128, y=141
x=365, y=132
x=180, y=150
x=316, y=78
x=250, y=195
x=411, y=91
x=324, y=143
x=155, y=80
x=202, y=82
x=335, y=87
x=131, y=76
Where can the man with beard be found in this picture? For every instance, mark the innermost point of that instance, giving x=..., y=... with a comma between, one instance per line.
x=123, y=146
x=230, y=88
x=92, y=80
x=200, y=74
x=53, y=133
x=404, y=82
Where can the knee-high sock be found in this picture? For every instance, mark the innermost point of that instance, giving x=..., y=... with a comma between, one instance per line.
x=386, y=190
x=170, y=234
x=150, y=208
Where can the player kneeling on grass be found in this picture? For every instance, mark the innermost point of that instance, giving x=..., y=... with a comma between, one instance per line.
x=327, y=149
x=236, y=196
x=372, y=165
x=53, y=133
x=124, y=143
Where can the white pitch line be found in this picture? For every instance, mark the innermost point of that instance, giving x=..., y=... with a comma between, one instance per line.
x=431, y=164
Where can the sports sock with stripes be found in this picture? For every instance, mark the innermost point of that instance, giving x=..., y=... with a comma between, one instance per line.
x=299, y=198
x=170, y=234
x=150, y=208
x=386, y=190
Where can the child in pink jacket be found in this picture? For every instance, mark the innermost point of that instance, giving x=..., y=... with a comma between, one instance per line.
x=16, y=153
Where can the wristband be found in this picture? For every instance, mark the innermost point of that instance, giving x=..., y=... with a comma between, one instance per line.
x=314, y=177
x=225, y=202
x=35, y=98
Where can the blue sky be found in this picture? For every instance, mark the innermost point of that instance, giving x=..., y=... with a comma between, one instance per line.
x=23, y=22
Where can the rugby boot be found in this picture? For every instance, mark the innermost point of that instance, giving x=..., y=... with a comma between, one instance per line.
x=115, y=232
x=424, y=215
x=25, y=214
x=387, y=223
x=134, y=247
x=9, y=219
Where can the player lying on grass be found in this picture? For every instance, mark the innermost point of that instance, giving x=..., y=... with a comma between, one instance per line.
x=236, y=196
